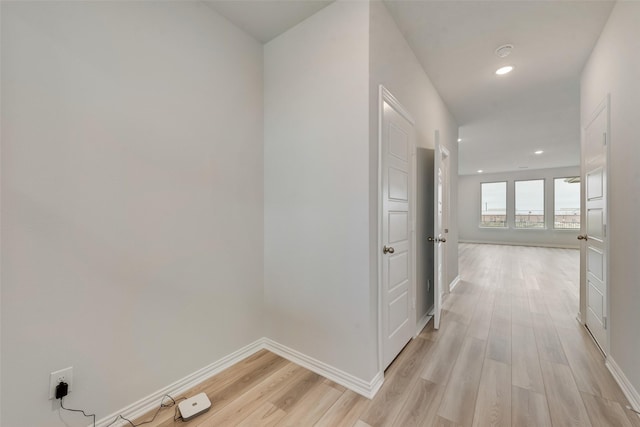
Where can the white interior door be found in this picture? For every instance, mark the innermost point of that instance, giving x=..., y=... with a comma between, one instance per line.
x=594, y=228
x=441, y=204
x=397, y=154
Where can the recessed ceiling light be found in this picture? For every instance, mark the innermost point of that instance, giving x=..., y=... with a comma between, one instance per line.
x=539, y=152
x=480, y=171
x=504, y=70
x=523, y=167
x=459, y=139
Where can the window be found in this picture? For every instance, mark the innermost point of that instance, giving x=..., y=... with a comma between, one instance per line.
x=530, y=204
x=494, y=204
x=566, y=203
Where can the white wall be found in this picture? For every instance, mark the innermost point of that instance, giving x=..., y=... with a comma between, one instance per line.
x=614, y=67
x=469, y=210
x=317, y=273
x=132, y=200
x=394, y=65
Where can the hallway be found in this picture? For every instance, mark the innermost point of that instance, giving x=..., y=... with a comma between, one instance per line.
x=510, y=351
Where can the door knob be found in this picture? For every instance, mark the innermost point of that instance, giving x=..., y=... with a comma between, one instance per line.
x=582, y=237
x=437, y=239
x=388, y=250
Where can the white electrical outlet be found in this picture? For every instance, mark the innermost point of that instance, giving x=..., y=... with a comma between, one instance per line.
x=63, y=375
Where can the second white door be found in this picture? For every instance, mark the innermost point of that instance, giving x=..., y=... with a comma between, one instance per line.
x=441, y=214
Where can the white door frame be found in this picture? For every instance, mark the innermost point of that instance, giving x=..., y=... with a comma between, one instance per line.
x=582, y=314
x=385, y=96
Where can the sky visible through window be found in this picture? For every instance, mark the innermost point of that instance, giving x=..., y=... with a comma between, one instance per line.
x=530, y=197
x=494, y=204
x=566, y=204
x=567, y=196
x=530, y=204
x=494, y=198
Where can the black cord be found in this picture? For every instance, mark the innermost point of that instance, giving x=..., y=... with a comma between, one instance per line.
x=161, y=407
x=120, y=417
x=78, y=410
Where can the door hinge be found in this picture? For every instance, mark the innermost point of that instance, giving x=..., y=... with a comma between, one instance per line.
x=604, y=322
x=604, y=138
x=414, y=303
x=604, y=230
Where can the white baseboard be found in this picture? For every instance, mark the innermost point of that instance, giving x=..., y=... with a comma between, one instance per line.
x=454, y=283
x=536, y=245
x=152, y=401
x=628, y=389
x=366, y=389
x=423, y=322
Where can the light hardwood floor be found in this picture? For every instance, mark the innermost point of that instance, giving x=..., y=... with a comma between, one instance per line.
x=509, y=353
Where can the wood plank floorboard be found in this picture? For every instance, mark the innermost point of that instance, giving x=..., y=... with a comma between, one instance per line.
x=266, y=415
x=312, y=406
x=525, y=363
x=520, y=310
x=529, y=409
x=386, y=405
x=287, y=398
x=499, y=341
x=605, y=413
x=240, y=408
x=493, y=405
x=458, y=402
x=565, y=403
x=481, y=320
x=345, y=412
x=444, y=352
x=587, y=365
x=547, y=340
x=509, y=353
x=443, y=422
x=421, y=406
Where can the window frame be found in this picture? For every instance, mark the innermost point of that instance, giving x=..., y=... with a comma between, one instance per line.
x=544, y=204
x=553, y=219
x=506, y=205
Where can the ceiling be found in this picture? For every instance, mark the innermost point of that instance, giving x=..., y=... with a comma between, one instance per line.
x=266, y=19
x=503, y=119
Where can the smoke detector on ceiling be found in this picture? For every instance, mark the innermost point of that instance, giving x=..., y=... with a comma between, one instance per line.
x=504, y=50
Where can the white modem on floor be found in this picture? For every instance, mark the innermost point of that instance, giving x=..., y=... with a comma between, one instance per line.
x=194, y=406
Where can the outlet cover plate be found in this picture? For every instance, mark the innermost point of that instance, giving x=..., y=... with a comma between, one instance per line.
x=56, y=377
